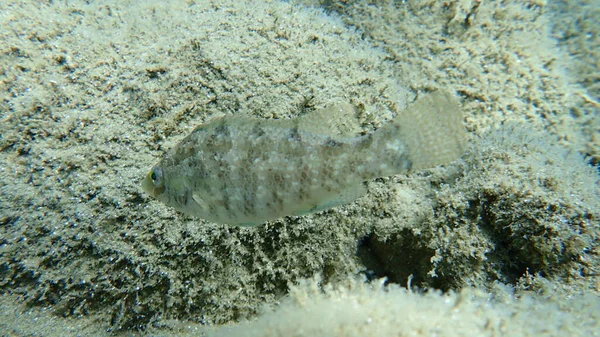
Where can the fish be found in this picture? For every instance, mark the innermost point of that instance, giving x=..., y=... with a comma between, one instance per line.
x=245, y=171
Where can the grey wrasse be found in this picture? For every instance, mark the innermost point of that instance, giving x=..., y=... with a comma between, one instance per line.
x=245, y=171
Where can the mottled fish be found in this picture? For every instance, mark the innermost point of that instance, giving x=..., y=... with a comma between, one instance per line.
x=245, y=171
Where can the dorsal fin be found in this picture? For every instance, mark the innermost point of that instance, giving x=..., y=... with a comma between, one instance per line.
x=338, y=121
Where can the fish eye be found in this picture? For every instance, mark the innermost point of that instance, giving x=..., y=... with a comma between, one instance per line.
x=156, y=175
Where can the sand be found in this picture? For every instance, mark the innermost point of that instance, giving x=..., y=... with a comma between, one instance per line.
x=505, y=240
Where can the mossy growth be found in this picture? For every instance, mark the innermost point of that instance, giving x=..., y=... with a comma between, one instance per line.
x=521, y=206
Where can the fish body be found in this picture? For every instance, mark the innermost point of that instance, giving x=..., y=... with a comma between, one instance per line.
x=245, y=171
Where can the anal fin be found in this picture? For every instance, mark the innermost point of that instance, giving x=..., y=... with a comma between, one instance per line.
x=346, y=196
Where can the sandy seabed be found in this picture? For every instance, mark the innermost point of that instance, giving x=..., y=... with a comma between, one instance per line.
x=504, y=241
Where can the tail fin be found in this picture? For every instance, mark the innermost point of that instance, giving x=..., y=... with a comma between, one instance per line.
x=431, y=131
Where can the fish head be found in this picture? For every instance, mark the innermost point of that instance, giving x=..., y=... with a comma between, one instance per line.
x=167, y=185
x=154, y=183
